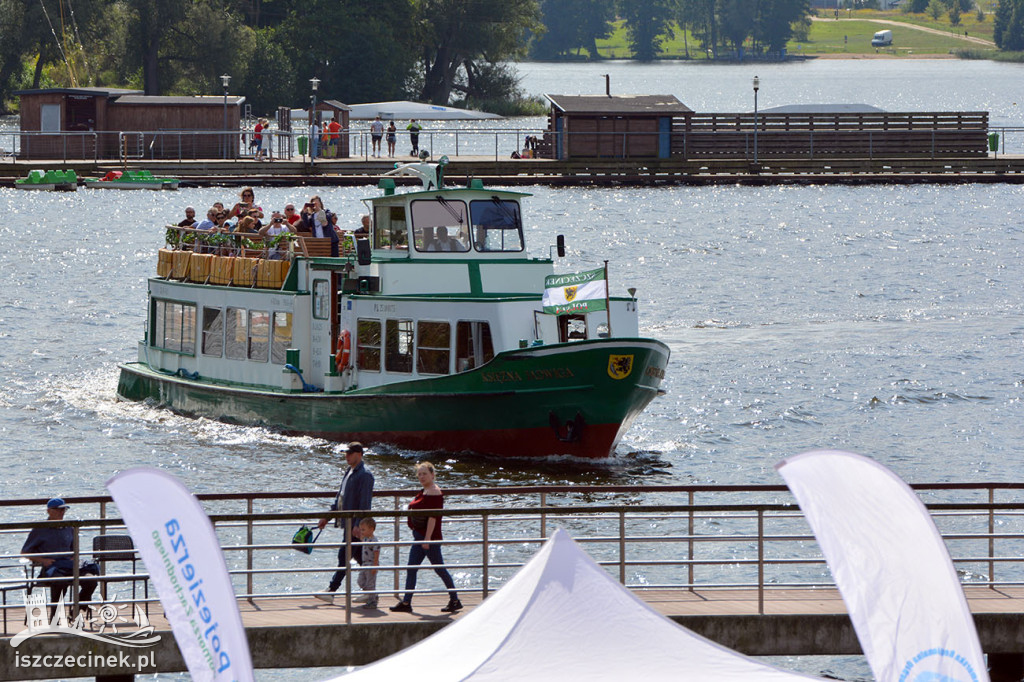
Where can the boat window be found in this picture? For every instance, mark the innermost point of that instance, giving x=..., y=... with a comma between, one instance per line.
x=473, y=345
x=572, y=328
x=213, y=332
x=398, y=356
x=259, y=335
x=440, y=225
x=368, y=345
x=433, y=347
x=174, y=326
x=390, y=230
x=236, y=335
x=321, y=299
x=282, y=339
x=497, y=225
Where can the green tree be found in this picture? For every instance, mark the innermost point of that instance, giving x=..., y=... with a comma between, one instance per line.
x=736, y=18
x=457, y=36
x=572, y=25
x=935, y=9
x=701, y=19
x=270, y=79
x=954, y=15
x=775, y=21
x=1008, y=27
x=647, y=22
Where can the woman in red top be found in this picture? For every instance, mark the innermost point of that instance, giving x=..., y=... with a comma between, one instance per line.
x=427, y=534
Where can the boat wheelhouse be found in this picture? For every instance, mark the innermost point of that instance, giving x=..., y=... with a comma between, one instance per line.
x=427, y=333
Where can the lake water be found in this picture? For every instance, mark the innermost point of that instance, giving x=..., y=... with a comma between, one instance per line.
x=884, y=320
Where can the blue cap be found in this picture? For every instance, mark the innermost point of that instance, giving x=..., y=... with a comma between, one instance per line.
x=56, y=503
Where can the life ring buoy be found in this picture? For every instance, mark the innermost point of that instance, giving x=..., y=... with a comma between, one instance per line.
x=344, y=352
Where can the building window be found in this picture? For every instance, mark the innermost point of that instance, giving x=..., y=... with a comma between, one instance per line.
x=368, y=345
x=174, y=326
x=282, y=339
x=433, y=347
x=398, y=357
x=321, y=299
x=473, y=345
x=390, y=230
x=213, y=332
x=236, y=336
x=259, y=335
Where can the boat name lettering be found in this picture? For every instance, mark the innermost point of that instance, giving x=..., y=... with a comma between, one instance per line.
x=385, y=308
x=656, y=372
x=506, y=376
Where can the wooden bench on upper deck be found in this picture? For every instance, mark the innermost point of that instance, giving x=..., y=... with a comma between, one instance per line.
x=315, y=247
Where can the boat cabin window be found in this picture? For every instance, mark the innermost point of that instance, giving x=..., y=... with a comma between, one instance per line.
x=368, y=345
x=259, y=335
x=236, y=334
x=213, y=332
x=321, y=299
x=398, y=355
x=174, y=326
x=497, y=225
x=440, y=225
x=433, y=347
x=390, y=229
x=282, y=340
x=473, y=345
x=572, y=328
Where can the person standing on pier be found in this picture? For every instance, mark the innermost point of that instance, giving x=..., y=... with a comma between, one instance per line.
x=376, y=134
x=414, y=129
x=355, y=493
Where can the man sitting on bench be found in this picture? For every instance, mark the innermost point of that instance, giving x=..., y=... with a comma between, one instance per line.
x=58, y=546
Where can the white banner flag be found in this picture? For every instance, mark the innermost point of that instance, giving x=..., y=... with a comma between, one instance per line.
x=178, y=544
x=579, y=292
x=891, y=566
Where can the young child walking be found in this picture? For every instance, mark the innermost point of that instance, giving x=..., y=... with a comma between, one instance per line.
x=369, y=559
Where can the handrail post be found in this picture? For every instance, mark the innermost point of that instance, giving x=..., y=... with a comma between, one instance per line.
x=991, y=538
x=689, y=542
x=543, y=516
x=396, y=549
x=348, y=570
x=486, y=554
x=249, y=584
x=622, y=546
x=75, y=580
x=760, y=562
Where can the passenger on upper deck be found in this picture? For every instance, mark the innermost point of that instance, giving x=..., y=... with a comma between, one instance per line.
x=442, y=242
x=276, y=226
x=290, y=215
x=247, y=203
x=190, y=217
x=210, y=222
x=364, y=227
x=319, y=222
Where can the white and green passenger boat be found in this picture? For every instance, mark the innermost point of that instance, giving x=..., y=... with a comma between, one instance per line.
x=397, y=340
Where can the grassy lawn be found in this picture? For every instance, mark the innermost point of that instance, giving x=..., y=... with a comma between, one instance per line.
x=852, y=35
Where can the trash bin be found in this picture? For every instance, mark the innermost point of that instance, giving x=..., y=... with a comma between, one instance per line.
x=993, y=142
x=302, y=140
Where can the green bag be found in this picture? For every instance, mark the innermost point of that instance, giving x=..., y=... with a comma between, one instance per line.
x=304, y=539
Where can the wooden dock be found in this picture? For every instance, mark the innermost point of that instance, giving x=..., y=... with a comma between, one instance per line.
x=302, y=632
x=572, y=172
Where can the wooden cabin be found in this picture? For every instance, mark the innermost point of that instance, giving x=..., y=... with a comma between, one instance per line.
x=332, y=109
x=104, y=123
x=615, y=126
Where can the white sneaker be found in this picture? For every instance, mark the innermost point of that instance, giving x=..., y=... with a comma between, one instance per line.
x=362, y=598
x=325, y=597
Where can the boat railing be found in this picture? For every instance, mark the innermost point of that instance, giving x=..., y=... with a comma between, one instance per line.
x=749, y=538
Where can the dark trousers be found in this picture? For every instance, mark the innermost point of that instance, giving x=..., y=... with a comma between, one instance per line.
x=63, y=568
x=339, y=575
x=416, y=556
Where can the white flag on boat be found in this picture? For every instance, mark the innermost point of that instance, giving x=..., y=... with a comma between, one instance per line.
x=579, y=292
x=891, y=566
x=179, y=546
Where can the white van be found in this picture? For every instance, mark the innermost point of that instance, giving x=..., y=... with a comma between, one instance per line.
x=881, y=39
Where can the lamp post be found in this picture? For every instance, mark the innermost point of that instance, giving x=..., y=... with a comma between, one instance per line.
x=224, y=80
x=314, y=129
x=757, y=84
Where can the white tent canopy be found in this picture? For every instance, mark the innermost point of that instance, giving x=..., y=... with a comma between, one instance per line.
x=563, y=617
x=407, y=110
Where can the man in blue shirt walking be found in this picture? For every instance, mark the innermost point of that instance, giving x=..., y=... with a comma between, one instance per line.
x=355, y=493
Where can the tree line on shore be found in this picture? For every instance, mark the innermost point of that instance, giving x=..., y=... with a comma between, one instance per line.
x=449, y=52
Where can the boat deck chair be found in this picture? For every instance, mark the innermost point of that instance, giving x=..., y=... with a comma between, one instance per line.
x=107, y=548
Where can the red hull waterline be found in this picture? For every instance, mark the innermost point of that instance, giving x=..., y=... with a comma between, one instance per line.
x=598, y=441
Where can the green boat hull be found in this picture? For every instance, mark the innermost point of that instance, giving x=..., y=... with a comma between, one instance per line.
x=575, y=399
